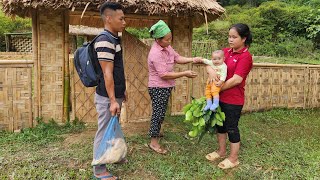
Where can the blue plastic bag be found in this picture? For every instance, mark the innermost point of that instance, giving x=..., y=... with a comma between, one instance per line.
x=112, y=147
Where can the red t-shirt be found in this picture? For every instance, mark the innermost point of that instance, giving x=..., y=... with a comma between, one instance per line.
x=239, y=63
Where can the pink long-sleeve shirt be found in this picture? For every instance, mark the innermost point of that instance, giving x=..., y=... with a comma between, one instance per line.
x=160, y=62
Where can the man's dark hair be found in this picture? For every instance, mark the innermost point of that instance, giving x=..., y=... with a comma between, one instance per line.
x=110, y=5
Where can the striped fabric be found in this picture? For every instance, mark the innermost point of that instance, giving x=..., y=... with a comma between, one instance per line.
x=106, y=49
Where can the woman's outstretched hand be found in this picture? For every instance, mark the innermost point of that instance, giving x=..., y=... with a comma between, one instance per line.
x=190, y=74
x=197, y=60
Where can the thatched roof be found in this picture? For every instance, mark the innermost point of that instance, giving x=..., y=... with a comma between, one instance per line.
x=84, y=30
x=149, y=7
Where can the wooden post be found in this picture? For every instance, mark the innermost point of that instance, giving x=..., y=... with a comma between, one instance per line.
x=65, y=69
x=38, y=67
x=35, y=57
x=7, y=40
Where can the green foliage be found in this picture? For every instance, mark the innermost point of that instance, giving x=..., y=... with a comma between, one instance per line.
x=139, y=33
x=218, y=31
x=9, y=25
x=241, y=2
x=294, y=47
x=202, y=121
x=278, y=28
x=312, y=3
x=313, y=30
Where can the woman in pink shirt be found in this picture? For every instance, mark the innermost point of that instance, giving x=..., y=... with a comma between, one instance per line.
x=161, y=60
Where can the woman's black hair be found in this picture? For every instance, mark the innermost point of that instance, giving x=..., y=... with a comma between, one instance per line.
x=244, y=32
x=151, y=34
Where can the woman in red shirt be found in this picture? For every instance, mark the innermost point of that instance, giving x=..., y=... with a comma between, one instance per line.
x=239, y=63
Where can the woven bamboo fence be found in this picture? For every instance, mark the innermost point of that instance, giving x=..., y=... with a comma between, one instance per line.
x=268, y=85
x=182, y=39
x=138, y=105
x=15, y=55
x=18, y=42
x=15, y=94
x=274, y=86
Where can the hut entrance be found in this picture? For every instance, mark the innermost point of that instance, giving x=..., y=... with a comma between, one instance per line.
x=137, y=107
x=15, y=92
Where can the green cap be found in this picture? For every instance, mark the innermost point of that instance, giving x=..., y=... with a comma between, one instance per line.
x=160, y=29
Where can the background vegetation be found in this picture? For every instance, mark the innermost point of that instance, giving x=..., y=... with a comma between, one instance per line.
x=10, y=25
x=280, y=28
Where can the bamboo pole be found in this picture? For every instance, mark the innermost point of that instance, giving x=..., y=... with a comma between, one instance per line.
x=190, y=65
x=65, y=69
x=72, y=85
x=30, y=98
x=38, y=67
x=35, y=61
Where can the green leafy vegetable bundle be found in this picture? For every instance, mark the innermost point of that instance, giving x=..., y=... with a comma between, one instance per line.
x=202, y=121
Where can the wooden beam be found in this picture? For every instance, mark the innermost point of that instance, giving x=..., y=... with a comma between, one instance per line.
x=20, y=61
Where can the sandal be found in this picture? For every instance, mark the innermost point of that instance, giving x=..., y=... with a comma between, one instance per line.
x=158, y=150
x=227, y=164
x=104, y=177
x=213, y=156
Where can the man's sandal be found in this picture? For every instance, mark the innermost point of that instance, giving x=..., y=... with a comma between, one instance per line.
x=227, y=164
x=213, y=156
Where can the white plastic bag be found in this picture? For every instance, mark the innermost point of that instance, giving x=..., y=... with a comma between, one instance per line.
x=112, y=147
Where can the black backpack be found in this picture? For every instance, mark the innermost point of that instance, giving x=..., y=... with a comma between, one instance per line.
x=87, y=64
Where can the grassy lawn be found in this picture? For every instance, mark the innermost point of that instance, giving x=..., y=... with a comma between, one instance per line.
x=278, y=144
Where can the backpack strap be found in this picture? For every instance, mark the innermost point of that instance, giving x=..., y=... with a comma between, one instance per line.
x=92, y=45
x=102, y=33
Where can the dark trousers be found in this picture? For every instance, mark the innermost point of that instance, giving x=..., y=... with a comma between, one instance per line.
x=230, y=125
x=159, y=98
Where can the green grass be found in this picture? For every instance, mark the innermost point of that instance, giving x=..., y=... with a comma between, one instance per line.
x=277, y=144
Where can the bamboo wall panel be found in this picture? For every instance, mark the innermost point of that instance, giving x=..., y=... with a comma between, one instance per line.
x=201, y=49
x=314, y=88
x=15, y=55
x=138, y=107
x=182, y=38
x=15, y=97
x=268, y=86
x=21, y=43
x=51, y=37
x=274, y=86
x=82, y=98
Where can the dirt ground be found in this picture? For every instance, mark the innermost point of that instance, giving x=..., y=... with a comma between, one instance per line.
x=129, y=129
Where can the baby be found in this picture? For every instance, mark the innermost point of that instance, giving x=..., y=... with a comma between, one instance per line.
x=213, y=88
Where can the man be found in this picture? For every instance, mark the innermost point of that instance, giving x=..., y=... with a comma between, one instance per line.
x=110, y=92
